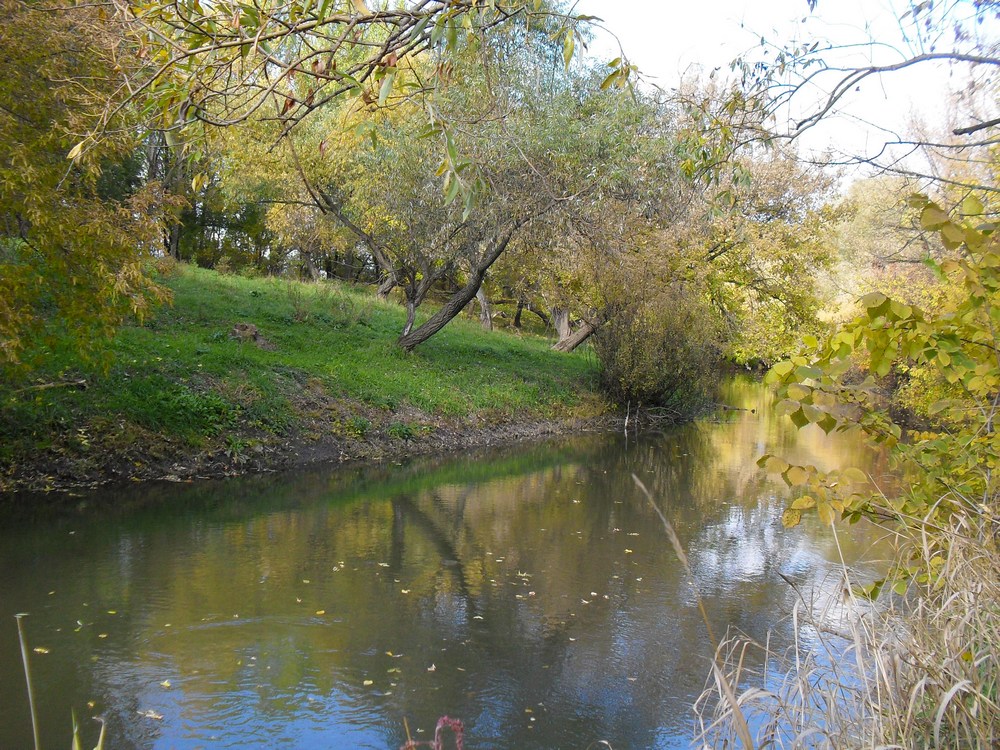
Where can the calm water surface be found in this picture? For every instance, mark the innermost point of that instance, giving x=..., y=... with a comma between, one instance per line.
x=530, y=592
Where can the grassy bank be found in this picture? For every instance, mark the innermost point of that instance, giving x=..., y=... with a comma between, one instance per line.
x=181, y=394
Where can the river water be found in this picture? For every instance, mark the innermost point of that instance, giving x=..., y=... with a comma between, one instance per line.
x=529, y=591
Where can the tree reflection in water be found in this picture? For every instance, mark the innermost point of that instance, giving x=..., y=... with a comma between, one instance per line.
x=529, y=591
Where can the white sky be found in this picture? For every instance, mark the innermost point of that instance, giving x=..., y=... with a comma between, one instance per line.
x=668, y=40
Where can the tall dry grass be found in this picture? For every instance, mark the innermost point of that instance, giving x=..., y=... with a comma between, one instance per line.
x=919, y=671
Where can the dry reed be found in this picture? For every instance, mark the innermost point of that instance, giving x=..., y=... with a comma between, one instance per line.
x=920, y=671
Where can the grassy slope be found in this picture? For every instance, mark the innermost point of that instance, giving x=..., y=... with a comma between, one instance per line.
x=179, y=384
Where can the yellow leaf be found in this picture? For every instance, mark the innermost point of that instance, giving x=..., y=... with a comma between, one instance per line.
x=360, y=7
x=825, y=511
x=796, y=475
x=803, y=503
x=791, y=518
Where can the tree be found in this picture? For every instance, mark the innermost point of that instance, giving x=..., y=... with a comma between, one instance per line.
x=72, y=234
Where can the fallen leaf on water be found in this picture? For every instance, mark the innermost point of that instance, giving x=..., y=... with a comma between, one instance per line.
x=320, y=611
x=431, y=668
x=305, y=580
x=165, y=683
x=366, y=683
x=404, y=591
x=628, y=551
x=383, y=565
x=151, y=714
x=102, y=635
x=112, y=611
x=40, y=650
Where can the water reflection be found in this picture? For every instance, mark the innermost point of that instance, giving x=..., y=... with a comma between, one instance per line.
x=530, y=592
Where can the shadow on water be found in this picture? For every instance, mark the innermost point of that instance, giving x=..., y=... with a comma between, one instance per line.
x=529, y=591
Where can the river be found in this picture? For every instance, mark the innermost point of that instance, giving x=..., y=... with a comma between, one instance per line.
x=529, y=591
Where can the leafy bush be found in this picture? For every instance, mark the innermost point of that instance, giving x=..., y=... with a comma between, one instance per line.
x=661, y=352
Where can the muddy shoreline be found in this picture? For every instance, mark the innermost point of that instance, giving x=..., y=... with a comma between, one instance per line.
x=111, y=460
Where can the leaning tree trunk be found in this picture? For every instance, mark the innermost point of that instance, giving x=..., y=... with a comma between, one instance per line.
x=387, y=285
x=485, y=314
x=560, y=319
x=457, y=302
x=411, y=316
x=569, y=343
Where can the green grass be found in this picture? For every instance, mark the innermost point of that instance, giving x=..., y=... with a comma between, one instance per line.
x=330, y=362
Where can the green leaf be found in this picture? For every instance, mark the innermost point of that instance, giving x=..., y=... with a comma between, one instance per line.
x=386, y=88
x=826, y=513
x=451, y=191
x=828, y=423
x=780, y=370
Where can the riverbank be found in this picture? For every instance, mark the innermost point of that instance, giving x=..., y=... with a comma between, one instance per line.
x=240, y=375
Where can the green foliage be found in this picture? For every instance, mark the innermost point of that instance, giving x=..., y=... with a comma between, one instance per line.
x=400, y=431
x=649, y=355
x=953, y=467
x=180, y=378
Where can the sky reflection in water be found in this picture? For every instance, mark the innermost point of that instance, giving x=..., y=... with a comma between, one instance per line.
x=530, y=592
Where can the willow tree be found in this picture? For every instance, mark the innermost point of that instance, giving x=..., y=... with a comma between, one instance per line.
x=72, y=235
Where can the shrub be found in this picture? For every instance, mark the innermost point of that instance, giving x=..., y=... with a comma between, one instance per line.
x=660, y=352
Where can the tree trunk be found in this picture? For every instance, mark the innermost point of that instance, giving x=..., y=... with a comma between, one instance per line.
x=485, y=315
x=311, y=266
x=560, y=319
x=387, y=285
x=459, y=299
x=517, y=315
x=569, y=343
x=411, y=316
